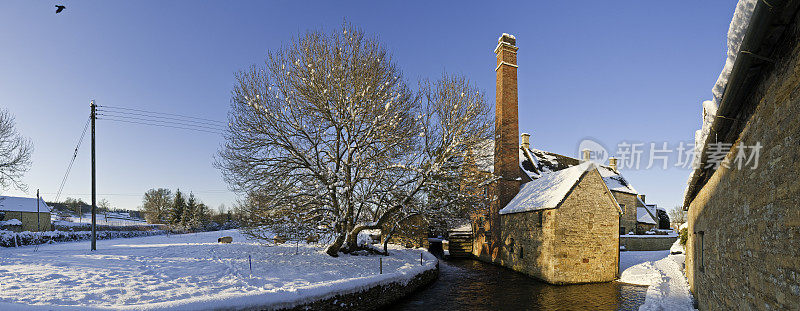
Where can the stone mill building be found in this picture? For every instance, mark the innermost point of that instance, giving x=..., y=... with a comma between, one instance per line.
x=550, y=216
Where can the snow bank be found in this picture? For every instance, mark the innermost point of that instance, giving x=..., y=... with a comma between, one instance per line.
x=668, y=288
x=11, y=222
x=190, y=272
x=13, y=239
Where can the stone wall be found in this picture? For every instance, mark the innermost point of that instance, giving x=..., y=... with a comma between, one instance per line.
x=743, y=250
x=28, y=220
x=372, y=298
x=630, y=203
x=578, y=242
x=647, y=243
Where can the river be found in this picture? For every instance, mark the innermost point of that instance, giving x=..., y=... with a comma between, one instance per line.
x=473, y=285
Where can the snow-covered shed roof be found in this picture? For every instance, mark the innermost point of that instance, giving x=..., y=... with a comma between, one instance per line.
x=547, y=191
x=20, y=204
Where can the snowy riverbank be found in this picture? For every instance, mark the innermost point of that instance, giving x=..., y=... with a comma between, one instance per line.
x=191, y=272
x=663, y=273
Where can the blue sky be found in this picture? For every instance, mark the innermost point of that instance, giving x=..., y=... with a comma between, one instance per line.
x=615, y=71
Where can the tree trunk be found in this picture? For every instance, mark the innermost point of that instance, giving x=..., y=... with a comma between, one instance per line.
x=333, y=249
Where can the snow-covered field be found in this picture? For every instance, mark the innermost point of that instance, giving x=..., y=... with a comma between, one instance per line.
x=188, y=272
x=663, y=273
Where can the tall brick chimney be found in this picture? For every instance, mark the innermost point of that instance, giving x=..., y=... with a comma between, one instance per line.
x=506, y=136
x=506, y=126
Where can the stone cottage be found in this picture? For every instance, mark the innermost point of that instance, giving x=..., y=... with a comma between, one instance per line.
x=743, y=248
x=562, y=228
x=554, y=217
x=23, y=214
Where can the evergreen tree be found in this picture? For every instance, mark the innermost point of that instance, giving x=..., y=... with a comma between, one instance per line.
x=189, y=218
x=178, y=206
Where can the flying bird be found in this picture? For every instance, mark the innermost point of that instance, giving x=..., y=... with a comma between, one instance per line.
x=60, y=8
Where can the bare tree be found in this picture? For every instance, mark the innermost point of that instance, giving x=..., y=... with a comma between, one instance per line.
x=15, y=153
x=103, y=207
x=677, y=216
x=329, y=132
x=156, y=204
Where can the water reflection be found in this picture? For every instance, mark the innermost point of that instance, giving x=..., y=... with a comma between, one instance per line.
x=474, y=285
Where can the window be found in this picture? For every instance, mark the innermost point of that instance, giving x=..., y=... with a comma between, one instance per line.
x=541, y=216
x=521, y=256
x=511, y=246
x=701, y=262
x=621, y=230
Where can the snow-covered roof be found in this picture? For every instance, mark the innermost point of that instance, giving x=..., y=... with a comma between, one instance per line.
x=547, y=191
x=643, y=216
x=736, y=33
x=19, y=204
x=534, y=162
x=614, y=181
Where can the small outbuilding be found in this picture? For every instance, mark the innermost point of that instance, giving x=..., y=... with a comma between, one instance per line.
x=24, y=214
x=562, y=228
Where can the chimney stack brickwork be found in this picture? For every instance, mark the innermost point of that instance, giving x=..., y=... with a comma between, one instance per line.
x=506, y=152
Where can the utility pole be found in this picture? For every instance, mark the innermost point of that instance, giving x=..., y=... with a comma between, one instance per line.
x=94, y=188
x=38, y=227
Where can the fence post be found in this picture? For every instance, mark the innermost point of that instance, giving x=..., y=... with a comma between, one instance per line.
x=380, y=264
x=420, y=259
x=250, y=261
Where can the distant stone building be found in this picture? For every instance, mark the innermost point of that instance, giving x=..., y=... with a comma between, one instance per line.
x=25, y=210
x=551, y=216
x=743, y=250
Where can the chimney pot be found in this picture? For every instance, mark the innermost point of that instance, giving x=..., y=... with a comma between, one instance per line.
x=507, y=38
x=526, y=140
x=586, y=155
x=612, y=162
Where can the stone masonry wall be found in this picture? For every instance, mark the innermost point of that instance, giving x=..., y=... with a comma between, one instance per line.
x=528, y=247
x=629, y=213
x=577, y=243
x=29, y=220
x=370, y=299
x=648, y=243
x=743, y=251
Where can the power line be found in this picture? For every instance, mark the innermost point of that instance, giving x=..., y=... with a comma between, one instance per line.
x=72, y=161
x=210, y=192
x=161, y=113
x=163, y=125
x=198, y=125
x=217, y=124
